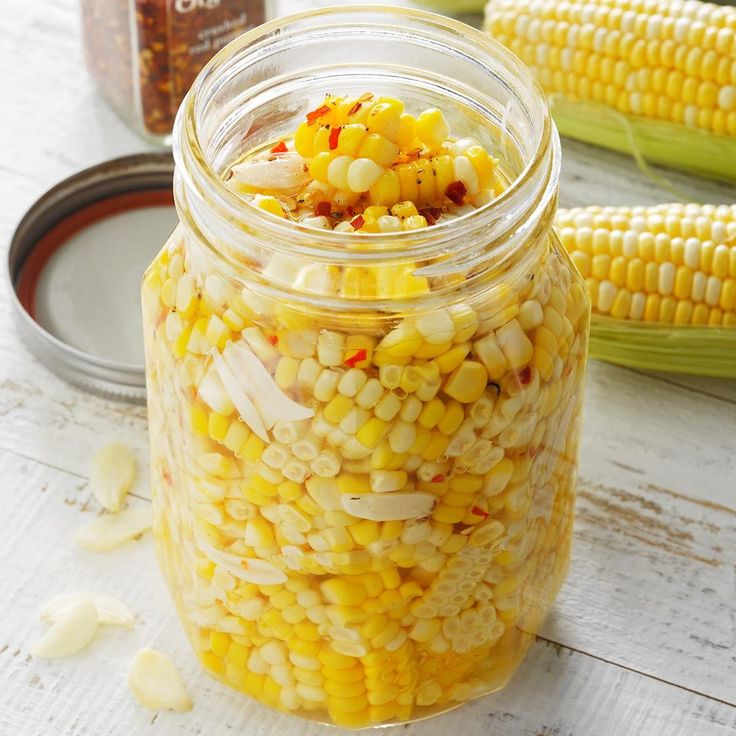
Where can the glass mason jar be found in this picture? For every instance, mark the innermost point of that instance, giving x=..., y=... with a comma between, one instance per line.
x=370, y=536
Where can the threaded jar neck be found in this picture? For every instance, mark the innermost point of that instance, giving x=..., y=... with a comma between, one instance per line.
x=258, y=88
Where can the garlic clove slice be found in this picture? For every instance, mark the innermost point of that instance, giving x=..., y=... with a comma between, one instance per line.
x=111, y=474
x=251, y=569
x=155, y=682
x=213, y=393
x=110, y=610
x=282, y=174
x=75, y=627
x=272, y=403
x=388, y=506
x=244, y=406
x=110, y=530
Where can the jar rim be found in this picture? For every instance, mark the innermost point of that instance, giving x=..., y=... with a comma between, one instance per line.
x=197, y=175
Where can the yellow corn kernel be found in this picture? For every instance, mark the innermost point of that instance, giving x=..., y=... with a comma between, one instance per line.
x=452, y=418
x=436, y=446
x=365, y=532
x=304, y=140
x=467, y=382
x=379, y=149
x=386, y=190
x=253, y=448
x=342, y=592
x=391, y=530
x=372, y=432
x=432, y=128
x=337, y=408
x=350, y=139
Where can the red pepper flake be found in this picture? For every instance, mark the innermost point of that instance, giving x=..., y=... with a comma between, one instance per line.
x=323, y=209
x=478, y=511
x=349, y=211
x=439, y=478
x=357, y=222
x=359, y=356
x=280, y=147
x=334, y=137
x=363, y=98
x=524, y=375
x=455, y=192
x=273, y=339
x=431, y=215
x=315, y=115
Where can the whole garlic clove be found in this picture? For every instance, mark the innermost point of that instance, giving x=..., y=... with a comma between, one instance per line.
x=155, y=682
x=75, y=627
x=110, y=530
x=110, y=610
x=111, y=474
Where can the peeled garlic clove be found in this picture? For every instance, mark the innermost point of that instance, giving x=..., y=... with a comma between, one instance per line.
x=111, y=474
x=156, y=683
x=72, y=631
x=110, y=530
x=388, y=506
x=284, y=174
x=110, y=610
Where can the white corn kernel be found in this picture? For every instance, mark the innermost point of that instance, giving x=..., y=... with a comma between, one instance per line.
x=362, y=174
x=326, y=385
x=351, y=382
x=370, y=394
x=337, y=171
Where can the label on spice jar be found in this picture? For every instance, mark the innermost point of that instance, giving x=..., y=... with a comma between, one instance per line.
x=176, y=38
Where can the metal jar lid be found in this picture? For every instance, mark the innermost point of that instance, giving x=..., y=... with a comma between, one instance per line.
x=76, y=262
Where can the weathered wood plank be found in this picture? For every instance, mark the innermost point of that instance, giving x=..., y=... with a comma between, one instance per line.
x=557, y=690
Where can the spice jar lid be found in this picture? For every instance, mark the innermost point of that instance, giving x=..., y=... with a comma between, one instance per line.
x=76, y=262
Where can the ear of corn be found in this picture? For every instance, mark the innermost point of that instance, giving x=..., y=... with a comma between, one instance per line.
x=662, y=282
x=656, y=79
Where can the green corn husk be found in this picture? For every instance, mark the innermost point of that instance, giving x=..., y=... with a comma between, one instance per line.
x=699, y=351
x=648, y=140
x=454, y=6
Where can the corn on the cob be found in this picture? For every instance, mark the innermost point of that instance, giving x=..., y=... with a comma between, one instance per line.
x=654, y=78
x=660, y=279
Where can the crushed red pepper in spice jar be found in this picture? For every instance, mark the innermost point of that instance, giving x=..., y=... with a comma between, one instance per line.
x=145, y=54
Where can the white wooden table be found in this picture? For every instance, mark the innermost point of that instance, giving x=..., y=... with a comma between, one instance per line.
x=643, y=638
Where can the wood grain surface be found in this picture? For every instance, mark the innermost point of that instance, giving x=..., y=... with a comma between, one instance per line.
x=642, y=640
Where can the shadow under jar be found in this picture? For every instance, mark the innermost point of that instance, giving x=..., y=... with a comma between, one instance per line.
x=394, y=561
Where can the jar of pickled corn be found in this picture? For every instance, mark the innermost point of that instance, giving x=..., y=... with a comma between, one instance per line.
x=365, y=358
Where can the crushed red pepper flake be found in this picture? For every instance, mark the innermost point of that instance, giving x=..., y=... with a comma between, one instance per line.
x=431, y=214
x=524, y=375
x=323, y=209
x=358, y=222
x=478, y=511
x=280, y=147
x=315, y=115
x=355, y=108
x=439, y=478
x=456, y=192
x=334, y=137
x=359, y=356
x=273, y=339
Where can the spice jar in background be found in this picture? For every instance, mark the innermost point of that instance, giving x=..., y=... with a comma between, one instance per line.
x=364, y=444
x=145, y=54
